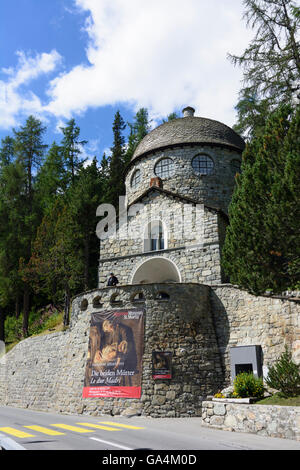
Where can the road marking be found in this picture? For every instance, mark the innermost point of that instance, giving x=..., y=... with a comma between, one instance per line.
x=111, y=443
x=97, y=426
x=43, y=430
x=16, y=432
x=71, y=428
x=127, y=426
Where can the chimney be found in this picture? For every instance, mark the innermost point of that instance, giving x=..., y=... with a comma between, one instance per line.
x=156, y=181
x=188, y=112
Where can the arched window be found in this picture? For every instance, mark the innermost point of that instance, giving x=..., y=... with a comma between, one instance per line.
x=202, y=165
x=164, y=168
x=155, y=236
x=136, y=179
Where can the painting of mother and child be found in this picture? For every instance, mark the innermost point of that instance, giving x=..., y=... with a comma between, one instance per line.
x=114, y=361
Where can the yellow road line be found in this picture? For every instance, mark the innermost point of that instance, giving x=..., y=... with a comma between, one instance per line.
x=16, y=432
x=97, y=426
x=127, y=426
x=71, y=428
x=43, y=430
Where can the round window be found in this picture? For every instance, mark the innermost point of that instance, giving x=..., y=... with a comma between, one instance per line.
x=202, y=165
x=136, y=178
x=164, y=168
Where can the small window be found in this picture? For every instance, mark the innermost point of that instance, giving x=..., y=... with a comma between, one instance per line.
x=154, y=236
x=164, y=168
x=84, y=305
x=97, y=302
x=139, y=297
x=136, y=179
x=162, y=296
x=202, y=165
x=235, y=166
x=115, y=299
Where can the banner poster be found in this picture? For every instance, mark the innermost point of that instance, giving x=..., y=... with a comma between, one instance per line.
x=115, y=351
x=161, y=365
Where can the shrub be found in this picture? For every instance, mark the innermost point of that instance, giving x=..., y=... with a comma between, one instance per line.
x=247, y=385
x=284, y=376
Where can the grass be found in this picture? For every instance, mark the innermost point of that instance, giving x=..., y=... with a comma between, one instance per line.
x=277, y=399
x=39, y=324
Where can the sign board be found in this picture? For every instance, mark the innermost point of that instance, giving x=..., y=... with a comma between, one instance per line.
x=114, y=363
x=161, y=365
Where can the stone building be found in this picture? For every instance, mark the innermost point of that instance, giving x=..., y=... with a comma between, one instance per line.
x=165, y=251
x=178, y=187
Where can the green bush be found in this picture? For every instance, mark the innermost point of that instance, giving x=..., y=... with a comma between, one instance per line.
x=246, y=385
x=284, y=376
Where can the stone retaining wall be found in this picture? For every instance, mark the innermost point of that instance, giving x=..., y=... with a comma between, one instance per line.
x=47, y=372
x=263, y=420
x=198, y=324
x=242, y=319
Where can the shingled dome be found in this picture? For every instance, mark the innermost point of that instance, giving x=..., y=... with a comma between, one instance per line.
x=189, y=130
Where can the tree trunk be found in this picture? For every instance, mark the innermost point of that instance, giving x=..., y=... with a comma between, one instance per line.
x=26, y=296
x=67, y=306
x=17, y=306
x=86, y=262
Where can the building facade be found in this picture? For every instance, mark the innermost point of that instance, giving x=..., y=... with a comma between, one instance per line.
x=178, y=187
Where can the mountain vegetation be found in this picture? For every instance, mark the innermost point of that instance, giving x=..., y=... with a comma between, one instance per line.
x=262, y=246
x=49, y=195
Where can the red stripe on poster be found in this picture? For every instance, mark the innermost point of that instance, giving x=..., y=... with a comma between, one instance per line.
x=108, y=392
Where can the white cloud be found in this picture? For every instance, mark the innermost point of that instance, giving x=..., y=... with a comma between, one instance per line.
x=162, y=55
x=14, y=101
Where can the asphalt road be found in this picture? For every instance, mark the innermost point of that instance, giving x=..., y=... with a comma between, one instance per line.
x=47, y=431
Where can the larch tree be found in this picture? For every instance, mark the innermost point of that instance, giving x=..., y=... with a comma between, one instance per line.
x=261, y=250
x=271, y=62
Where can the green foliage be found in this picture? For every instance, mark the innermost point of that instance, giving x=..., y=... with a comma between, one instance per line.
x=71, y=148
x=138, y=130
x=284, y=376
x=39, y=321
x=117, y=163
x=246, y=385
x=271, y=62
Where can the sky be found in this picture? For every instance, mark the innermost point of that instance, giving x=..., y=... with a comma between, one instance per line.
x=86, y=59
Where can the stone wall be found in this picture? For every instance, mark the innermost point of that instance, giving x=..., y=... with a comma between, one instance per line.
x=263, y=420
x=243, y=319
x=47, y=372
x=198, y=324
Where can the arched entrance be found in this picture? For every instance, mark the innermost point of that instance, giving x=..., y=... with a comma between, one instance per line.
x=156, y=269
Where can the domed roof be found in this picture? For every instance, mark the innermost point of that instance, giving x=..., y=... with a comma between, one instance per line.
x=189, y=130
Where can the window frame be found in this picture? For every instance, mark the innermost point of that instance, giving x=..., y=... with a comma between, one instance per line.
x=171, y=163
x=133, y=183
x=208, y=159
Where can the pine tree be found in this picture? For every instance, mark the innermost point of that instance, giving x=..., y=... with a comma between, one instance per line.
x=84, y=198
x=261, y=249
x=71, y=147
x=51, y=180
x=29, y=150
x=138, y=130
x=271, y=62
x=6, y=151
x=117, y=163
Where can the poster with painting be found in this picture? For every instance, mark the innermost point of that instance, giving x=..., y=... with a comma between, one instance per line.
x=115, y=351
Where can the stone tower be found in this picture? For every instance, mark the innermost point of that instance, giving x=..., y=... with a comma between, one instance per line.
x=178, y=187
